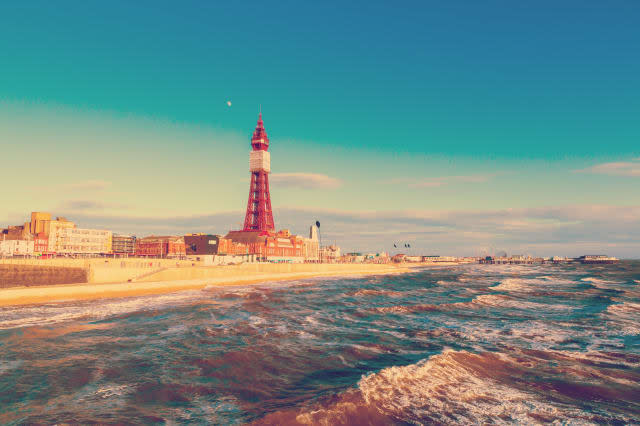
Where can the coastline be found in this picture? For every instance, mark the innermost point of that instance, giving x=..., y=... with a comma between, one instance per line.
x=59, y=293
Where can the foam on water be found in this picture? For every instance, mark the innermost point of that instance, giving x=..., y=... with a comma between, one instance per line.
x=39, y=315
x=460, y=387
x=472, y=344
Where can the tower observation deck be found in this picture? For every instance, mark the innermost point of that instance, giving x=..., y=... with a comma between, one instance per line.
x=259, y=216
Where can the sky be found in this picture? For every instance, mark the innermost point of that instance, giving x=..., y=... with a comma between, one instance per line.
x=460, y=127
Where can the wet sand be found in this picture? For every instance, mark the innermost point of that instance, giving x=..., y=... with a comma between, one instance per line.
x=86, y=291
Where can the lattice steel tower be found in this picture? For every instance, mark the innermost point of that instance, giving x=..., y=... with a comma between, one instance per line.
x=259, y=216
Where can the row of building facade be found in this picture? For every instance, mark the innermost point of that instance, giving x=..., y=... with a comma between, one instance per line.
x=46, y=236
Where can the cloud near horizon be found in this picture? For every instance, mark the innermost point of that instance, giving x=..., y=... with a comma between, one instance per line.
x=305, y=180
x=615, y=168
x=89, y=185
x=435, y=182
x=84, y=205
x=545, y=231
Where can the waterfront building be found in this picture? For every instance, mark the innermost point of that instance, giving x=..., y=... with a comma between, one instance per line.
x=278, y=247
x=16, y=247
x=201, y=244
x=58, y=236
x=413, y=259
x=437, y=258
x=330, y=254
x=41, y=244
x=71, y=240
x=53, y=229
x=169, y=246
x=311, y=246
x=65, y=238
x=124, y=245
x=38, y=222
x=17, y=232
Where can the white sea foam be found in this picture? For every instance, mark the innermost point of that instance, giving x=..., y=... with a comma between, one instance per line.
x=625, y=309
x=500, y=301
x=457, y=387
x=110, y=391
x=6, y=366
x=15, y=317
x=601, y=283
x=447, y=283
x=626, y=315
x=512, y=284
x=528, y=285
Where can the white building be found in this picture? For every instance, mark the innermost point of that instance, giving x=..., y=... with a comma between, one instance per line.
x=330, y=254
x=16, y=248
x=311, y=246
x=68, y=240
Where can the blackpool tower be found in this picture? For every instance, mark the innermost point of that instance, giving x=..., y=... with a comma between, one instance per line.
x=259, y=216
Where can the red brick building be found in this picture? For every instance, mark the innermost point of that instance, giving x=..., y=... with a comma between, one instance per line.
x=279, y=247
x=41, y=244
x=161, y=246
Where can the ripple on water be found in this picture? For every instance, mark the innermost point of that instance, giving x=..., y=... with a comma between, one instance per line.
x=473, y=344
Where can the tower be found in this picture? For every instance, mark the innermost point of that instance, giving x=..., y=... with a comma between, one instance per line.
x=259, y=216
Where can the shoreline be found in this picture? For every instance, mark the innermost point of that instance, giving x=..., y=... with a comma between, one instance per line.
x=60, y=293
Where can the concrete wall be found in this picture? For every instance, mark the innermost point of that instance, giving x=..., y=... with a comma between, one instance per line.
x=27, y=275
x=16, y=272
x=256, y=269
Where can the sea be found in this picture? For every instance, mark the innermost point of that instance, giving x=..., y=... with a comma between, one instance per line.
x=468, y=344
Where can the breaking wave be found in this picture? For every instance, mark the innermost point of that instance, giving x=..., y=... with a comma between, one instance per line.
x=452, y=387
x=434, y=346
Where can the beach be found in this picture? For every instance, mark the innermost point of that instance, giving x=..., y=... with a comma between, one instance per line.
x=170, y=280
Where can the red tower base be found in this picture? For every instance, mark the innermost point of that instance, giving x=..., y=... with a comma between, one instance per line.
x=259, y=216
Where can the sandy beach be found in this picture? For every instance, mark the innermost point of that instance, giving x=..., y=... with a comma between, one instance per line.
x=85, y=291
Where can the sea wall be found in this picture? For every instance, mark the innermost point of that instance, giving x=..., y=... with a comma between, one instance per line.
x=17, y=272
x=30, y=275
x=98, y=270
x=257, y=269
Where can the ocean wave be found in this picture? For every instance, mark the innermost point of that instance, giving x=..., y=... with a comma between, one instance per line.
x=374, y=292
x=17, y=317
x=624, y=308
x=602, y=283
x=627, y=316
x=480, y=301
x=457, y=386
x=503, y=301
x=446, y=283
x=452, y=387
x=6, y=366
x=408, y=309
x=529, y=285
x=533, y=334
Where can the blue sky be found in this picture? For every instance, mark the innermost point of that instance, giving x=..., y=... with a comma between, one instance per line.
x=461, y=127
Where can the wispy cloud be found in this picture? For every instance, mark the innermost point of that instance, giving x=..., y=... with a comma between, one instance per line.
x=435, y=182
x=554, y=230
x=305, y=180
x=89, y=185
x=74, y=206
x=616, y=168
